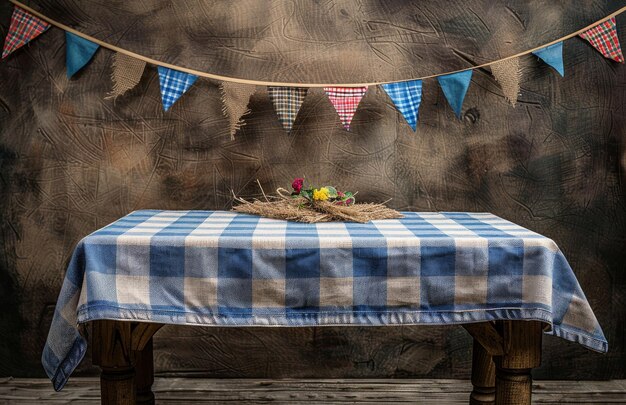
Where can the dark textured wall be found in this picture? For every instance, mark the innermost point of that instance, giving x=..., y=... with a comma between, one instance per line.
x=71, y=161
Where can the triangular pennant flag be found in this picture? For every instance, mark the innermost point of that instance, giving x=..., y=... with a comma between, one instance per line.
x=235, y=99
x=455, y=87
x=78, y=52
x=174, y=84
x=126, y=73
x=345, y=100
x=24, y=27
x=508, y=74
x=553, y=56
x=287, y=102
x=603, y=37
x=407, y=97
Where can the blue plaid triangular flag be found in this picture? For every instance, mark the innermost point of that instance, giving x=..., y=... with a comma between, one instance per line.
x=78, y=52
x=553, y=56
x=455, y=87
x=407, y=97
x=173, y=85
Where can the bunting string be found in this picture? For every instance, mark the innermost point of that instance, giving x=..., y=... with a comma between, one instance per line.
x=287, y=98
x=299, y=84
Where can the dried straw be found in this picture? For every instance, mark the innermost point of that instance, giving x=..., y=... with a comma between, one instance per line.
x=301, y=210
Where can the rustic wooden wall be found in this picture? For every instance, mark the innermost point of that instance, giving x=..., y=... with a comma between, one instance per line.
x=71, y=161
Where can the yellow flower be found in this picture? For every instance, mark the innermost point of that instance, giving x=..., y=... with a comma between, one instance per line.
x=321, y=195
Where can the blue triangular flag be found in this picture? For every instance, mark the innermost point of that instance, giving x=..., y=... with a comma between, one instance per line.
x=173, y=84
x=553, y=56
x=407, y=97
x=455, y=87
x=78, y=52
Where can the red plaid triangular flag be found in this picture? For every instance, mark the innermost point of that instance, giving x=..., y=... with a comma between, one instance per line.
x=345, y=100
x=603, y=37
x=23, y=28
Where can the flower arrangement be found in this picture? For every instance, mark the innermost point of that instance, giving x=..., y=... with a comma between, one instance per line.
x=311, y=204
x=326, y=193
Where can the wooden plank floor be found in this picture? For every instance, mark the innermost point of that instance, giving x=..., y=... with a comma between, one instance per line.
x=251, y=391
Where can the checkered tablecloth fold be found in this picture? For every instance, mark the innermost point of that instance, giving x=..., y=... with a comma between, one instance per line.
x=226, y=268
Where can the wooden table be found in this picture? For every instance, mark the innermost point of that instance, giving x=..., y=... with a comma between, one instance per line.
x=504, y=353
x=508, y=274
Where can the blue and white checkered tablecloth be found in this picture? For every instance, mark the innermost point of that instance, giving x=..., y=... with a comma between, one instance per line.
x=225, y=268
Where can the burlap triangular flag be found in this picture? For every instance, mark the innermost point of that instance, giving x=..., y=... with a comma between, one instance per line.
x=235, y=99
x=508, y=74
x=125, y=74
x=24, y=27
x=287, y=102
x=604, y=38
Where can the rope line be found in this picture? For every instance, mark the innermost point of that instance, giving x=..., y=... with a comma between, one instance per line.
x=289, y=84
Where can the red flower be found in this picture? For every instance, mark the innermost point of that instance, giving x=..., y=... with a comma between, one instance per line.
x=297, y=184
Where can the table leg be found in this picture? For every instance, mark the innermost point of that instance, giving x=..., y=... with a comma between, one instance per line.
x=483, y=376
x=522, y=340
x=112, y=352
x=145, y=375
